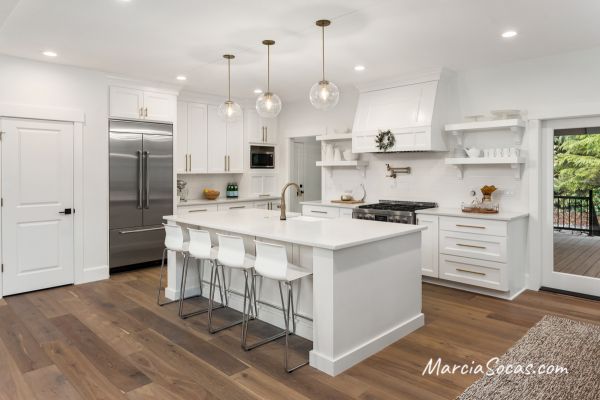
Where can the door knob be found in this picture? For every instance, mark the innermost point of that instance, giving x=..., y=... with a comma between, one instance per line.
x=67, y=211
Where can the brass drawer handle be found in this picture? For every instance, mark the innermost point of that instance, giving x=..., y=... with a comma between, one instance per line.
x=471, y=245
x=318, y=212
x=198, y=210
x=470, y=272
x=236, y=207
x=470, y=226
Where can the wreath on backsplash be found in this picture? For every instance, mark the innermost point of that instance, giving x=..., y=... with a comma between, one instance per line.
x=385, y=140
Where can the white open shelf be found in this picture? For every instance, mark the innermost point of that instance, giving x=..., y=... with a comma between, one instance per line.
x=516, y=126
x=516, y=163
x=335, y=136
x=358, y=164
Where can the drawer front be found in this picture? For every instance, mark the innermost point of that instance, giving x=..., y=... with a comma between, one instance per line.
x=322, y=212
x=234, y=206
x=473, y=225
x=481, y=273
x=184, y=210
x=345, y=213
x=482, y=247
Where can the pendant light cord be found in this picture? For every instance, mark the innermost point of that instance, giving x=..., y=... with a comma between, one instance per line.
x=323, y=49
x=268, y=68
x=229, y=77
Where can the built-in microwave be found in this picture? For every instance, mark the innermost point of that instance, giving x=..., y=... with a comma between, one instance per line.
x=262, y=157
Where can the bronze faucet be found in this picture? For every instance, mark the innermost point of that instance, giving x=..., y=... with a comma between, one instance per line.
x=283, y=217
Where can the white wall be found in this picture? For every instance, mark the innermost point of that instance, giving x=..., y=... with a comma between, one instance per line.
x=56, y=86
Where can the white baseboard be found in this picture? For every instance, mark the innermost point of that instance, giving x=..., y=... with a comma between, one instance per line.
x=336, y=366
x=94, y=274
x=510, y=295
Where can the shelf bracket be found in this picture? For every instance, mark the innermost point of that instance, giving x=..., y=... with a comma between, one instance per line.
x=518, y=134
x=459, y=137
x=460, y=171
x=517, y=169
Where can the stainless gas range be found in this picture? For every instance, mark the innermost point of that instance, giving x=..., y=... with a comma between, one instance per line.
x=402, y=212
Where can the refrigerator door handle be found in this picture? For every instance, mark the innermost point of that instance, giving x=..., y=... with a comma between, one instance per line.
x=140, y=179
x=147, y=178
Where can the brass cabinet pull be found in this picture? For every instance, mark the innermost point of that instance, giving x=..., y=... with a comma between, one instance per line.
x=146, y=112
x=141, y=112
x=198, y=210
x=318, y=212
x=233, y=208
x=190, y=158
x=225, y=162
x=470, y=226
x=471, y=272
x=470, y=245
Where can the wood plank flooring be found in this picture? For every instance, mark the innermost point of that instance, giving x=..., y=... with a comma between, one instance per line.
x=108, y=340
x=577, y=254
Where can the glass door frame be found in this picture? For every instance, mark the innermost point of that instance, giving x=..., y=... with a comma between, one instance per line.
x=550, y=278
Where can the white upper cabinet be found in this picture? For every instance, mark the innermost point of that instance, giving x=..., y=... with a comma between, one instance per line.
x=235, y=146
x=132, y=103
x=217, y=142
x=259, y=130
x=414, y=110
x=181, y=157
x=191, y=137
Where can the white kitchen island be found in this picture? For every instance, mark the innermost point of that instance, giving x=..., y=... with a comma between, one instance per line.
x=365, y=292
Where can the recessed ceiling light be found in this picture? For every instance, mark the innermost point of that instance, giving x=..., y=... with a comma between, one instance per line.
x=49, y=53
x=257, y=91
x=359, y=68
x=181, y=78
x=509, y=34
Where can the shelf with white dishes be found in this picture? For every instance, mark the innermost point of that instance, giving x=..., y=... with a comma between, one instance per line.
x=334, y=136
x=516, y=126
x=358, y=164
x=516, y=163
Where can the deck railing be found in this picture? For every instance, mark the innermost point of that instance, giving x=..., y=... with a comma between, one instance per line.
x=575, y=213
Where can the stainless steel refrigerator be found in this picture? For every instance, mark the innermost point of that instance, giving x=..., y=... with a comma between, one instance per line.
x=141, y=190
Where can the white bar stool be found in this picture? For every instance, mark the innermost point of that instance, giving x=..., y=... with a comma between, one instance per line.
x=200, y=248
x=174, y=241
x=272, y=262
x=231, y=254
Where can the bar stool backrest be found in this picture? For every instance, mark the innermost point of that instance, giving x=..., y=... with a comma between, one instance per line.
x=200, y=244
x=271, y=260
x=174, y=239
x=231, y=251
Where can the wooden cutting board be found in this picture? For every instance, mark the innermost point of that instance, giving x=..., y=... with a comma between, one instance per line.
x=347, y=201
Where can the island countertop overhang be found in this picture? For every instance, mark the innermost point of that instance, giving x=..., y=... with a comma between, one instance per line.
x=331, y=234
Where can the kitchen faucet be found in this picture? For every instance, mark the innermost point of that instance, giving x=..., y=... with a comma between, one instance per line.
x=283, y=217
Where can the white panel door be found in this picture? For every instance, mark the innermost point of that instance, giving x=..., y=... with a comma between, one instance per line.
x=160, y=106
x=217, y=141
x=181, y=158
x=126, y=102
x=197, y=137
x=235, y=146
x=37, y=188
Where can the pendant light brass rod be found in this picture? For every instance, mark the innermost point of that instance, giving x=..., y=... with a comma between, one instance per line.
x=229, y=78
x=323, y=48
x=269, y=68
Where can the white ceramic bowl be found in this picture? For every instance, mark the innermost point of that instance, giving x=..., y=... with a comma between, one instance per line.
x=350, y=156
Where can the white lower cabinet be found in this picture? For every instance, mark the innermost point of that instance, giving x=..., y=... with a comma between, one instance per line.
x=268, y=205
x=326, y=211
x=234, y=206
x=202, y=208
x=478, y=253
x=429, y=245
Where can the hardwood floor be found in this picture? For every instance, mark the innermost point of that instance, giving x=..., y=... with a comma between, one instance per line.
x=108, y=340
x=577, y=254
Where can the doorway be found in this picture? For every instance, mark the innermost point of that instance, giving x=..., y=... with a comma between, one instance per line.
x=572, y=206
x=305, y=152
x=37, y=211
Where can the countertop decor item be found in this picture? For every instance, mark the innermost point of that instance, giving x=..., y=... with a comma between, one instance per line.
x=268, y=104
x=353, y=201
x=385, y=140
x=324, y=94
x=229, y=110
x=337, y=154
x=486, y=205
x=182, y=191
x=350, y=156
x=210, y=194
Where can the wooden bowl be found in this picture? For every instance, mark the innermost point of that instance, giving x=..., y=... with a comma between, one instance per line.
x=210, y=194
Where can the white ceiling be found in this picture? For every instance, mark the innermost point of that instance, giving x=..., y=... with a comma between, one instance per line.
x=160, y=39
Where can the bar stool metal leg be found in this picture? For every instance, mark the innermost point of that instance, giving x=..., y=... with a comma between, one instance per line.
x=162, y=266
x=286, y=315
x=214, y=277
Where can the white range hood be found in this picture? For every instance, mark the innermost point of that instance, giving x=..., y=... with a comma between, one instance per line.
x=413, y=108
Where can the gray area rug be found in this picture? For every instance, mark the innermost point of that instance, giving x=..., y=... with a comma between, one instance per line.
x=554, y=340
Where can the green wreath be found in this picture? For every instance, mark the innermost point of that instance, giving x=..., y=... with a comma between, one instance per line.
x=385, y=140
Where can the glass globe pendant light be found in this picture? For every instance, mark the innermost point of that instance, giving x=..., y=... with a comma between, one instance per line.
x=229, y=110
x=324, y=94
x=268, y=104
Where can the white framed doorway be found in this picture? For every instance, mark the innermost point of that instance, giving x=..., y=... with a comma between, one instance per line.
x=37, y=218
x=304, y=154
x=558, y=252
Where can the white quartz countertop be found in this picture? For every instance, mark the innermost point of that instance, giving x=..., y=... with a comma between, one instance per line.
x=221, y=200
x=456, y=212
x=328, y=203
x=332, y=234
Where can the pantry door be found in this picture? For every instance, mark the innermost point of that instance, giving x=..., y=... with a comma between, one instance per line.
x=37, y=210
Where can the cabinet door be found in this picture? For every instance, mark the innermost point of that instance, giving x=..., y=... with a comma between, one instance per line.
x=182, y=137
x=126, y=103
x=217, y=141
x=429, y=245
x=252, y=126
x=197, y=137
x=160, y=106
x=270, y=184
x=270, y=125
x=263, y=205
x=235, y=146
x=234, y=206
